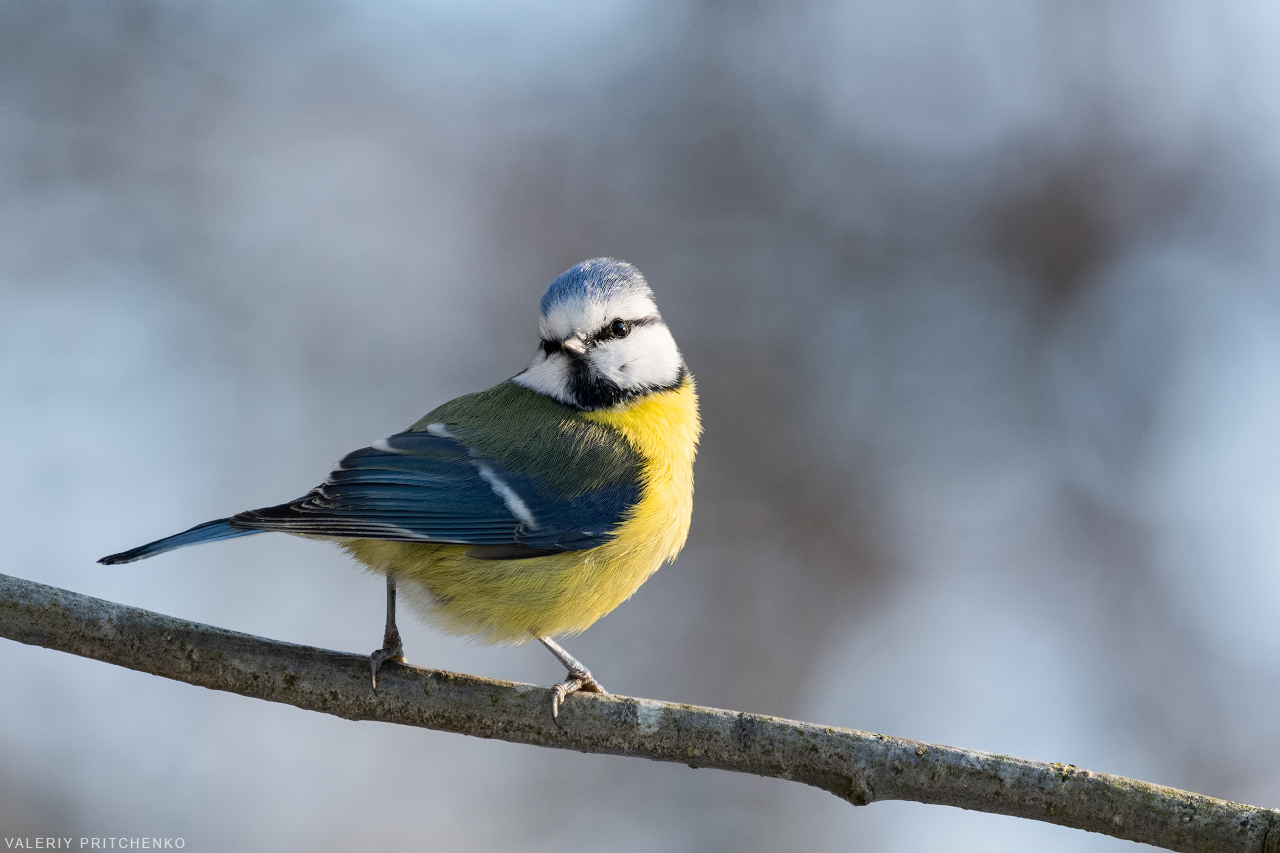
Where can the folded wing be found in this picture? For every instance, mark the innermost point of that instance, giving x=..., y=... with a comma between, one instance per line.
x=420, y=486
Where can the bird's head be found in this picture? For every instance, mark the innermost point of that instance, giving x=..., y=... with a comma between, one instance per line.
x=602, y=339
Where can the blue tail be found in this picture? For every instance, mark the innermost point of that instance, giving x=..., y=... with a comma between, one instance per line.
x=210, y=531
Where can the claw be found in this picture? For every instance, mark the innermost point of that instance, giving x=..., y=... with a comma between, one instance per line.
x=579, y=681
x=381, y=656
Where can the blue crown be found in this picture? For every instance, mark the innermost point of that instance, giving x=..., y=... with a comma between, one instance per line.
x=596, y=280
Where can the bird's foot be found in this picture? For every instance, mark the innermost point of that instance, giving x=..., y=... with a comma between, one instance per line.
x=392, y=648
x=579, y=681
x=386, y=653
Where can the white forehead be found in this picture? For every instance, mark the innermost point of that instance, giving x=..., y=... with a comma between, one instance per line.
x=585, y=314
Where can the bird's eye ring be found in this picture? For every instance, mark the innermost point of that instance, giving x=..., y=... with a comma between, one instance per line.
x=620, y=328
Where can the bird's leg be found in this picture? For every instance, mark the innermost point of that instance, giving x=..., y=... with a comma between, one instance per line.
x=579, y=680
x=391, y=646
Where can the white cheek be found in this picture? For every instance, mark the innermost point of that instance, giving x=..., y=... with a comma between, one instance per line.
x=547, y=375
x=646, y=357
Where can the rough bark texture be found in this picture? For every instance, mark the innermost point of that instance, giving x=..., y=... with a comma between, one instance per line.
x=856, y=766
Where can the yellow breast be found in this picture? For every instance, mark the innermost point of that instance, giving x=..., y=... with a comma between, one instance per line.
x=512, y=601
x=664, y=428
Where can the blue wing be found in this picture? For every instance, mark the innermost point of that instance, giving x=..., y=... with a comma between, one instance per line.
x=424, y=487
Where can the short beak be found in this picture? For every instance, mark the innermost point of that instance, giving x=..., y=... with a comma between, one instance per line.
x=575, y=345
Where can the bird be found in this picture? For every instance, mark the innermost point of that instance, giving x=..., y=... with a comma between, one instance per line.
x=530, y=510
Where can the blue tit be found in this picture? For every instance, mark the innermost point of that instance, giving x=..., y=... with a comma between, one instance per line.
x=532, y=509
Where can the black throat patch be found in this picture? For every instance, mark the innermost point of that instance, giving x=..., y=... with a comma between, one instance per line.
x=592, y=391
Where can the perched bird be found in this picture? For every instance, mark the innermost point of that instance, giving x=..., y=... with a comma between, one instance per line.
x=532, y=509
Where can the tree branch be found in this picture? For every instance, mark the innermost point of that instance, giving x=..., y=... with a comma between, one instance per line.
x=856, y=766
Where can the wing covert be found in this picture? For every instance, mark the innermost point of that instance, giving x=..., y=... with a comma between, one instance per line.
x=423, y=486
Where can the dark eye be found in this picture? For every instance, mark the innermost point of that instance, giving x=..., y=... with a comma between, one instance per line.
x=550, y=347
x=620, y=328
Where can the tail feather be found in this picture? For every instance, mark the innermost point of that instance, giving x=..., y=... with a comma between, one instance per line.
x=210, y=531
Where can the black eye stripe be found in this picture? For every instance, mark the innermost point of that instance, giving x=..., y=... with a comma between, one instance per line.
x=605, y=334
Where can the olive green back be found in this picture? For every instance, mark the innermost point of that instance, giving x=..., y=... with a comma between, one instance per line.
x=523, y=430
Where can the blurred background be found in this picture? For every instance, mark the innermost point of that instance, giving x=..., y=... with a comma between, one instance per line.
x=983, y=299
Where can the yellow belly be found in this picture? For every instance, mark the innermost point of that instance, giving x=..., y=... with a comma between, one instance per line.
x=512, y=601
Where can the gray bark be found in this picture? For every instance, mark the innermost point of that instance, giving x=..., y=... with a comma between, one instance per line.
x=856, y=766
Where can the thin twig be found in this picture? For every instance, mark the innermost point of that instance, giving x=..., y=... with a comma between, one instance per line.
x=856, y=766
